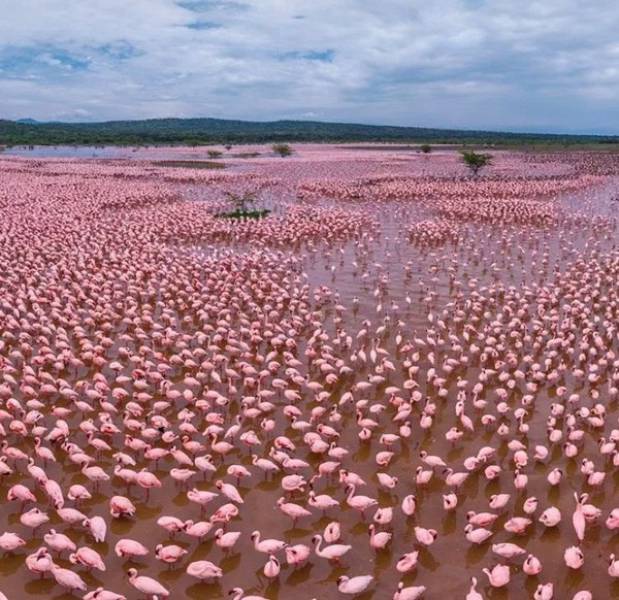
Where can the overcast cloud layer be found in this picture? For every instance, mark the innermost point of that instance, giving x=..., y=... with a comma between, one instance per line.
x=491, y=64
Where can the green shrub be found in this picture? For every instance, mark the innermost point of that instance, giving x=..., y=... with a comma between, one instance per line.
x=475, y=161
x=282, y=149
x=241, y=201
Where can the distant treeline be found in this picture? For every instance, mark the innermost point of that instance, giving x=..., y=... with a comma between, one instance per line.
x=224, y=131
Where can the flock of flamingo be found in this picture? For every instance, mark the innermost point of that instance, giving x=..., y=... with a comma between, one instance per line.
x=403, y=383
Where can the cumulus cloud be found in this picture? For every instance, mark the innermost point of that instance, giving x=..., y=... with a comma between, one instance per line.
x=536, y=65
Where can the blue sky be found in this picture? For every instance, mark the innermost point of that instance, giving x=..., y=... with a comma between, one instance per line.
x=551, y=65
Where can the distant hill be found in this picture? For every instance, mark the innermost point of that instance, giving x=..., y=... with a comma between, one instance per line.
x=217, y=131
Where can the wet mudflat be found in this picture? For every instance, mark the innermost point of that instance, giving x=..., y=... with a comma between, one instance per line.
x=388, y=305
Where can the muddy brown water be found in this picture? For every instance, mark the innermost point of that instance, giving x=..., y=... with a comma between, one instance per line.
x=447, y=566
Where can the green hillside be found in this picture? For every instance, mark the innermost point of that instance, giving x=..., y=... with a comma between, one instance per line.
x=212, y=131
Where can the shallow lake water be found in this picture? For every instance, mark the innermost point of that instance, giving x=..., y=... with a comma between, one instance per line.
x=397, y=284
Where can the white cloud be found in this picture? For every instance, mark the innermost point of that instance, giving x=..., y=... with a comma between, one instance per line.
x=456, y=63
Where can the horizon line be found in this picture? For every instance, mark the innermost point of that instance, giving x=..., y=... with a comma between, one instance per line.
x=520, y=132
